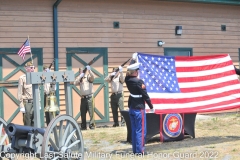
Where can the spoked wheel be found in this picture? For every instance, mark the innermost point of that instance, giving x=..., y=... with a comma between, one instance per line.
x=62, y=140
x=4, y=140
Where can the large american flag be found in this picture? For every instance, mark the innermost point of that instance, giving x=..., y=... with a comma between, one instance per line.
x=179, y=84
x=24, y=49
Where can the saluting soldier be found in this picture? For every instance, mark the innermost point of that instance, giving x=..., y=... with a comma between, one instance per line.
x=24, y=95
x=116, y=79
x=87, y=100
x=136, y=103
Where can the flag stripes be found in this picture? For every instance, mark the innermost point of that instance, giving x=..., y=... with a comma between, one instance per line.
x=25, y=48
x=206, y=83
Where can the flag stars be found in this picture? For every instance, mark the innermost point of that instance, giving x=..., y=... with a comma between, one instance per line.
x=159, y=73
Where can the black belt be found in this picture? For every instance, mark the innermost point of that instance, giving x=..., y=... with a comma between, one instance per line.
x=87, y=96
x=28, y=100
x=116, y=93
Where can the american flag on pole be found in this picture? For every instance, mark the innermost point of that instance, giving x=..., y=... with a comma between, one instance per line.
x=197, y=84
x=24, y=49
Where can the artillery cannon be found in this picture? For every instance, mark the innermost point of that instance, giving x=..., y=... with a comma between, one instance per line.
x=62, y=139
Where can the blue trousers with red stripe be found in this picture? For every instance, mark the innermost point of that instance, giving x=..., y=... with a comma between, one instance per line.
x=139, y=132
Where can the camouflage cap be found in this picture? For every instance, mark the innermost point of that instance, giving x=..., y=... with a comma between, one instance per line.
x=29, y=63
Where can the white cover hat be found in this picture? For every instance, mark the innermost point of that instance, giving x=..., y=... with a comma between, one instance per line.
x=134, y=66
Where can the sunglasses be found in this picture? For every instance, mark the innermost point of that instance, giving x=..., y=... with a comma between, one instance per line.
x=32, y=67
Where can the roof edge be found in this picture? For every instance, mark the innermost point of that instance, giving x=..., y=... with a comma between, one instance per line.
x=226, y=2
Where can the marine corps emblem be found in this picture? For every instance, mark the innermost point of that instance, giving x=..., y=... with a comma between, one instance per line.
x=172, y=125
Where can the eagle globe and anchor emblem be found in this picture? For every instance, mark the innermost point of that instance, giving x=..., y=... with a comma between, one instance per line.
x=172, y=125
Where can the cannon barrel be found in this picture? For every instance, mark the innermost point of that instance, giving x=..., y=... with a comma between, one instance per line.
x=22, y=131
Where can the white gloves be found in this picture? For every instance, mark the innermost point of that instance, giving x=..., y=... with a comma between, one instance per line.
x=120, y=68
x=113, y=73
x=134, y=56
x=152, y=111
x=88, y=67
x=81, y=75
x=22, y=110
x=47, y=70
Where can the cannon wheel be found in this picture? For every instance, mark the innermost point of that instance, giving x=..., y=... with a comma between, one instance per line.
x=62, y=139
x=4, y=139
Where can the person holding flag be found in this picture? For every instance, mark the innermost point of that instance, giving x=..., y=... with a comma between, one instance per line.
x=136, y=103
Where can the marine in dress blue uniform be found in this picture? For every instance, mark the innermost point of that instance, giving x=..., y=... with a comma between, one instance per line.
x=136, y=103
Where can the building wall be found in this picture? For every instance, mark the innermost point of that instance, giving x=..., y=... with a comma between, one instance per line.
x=142, y=23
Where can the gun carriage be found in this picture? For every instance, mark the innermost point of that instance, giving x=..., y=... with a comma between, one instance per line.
x=62, y=139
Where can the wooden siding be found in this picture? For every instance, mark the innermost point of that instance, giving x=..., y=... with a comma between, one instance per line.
x=142, y=23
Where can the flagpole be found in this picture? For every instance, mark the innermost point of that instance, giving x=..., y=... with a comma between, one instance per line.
x=31, y=50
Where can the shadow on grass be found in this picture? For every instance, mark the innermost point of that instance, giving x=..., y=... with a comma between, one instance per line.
x=154, y=143
x=191, y=142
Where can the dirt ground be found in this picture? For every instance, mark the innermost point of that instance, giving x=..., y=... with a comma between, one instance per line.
x=217, y=137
